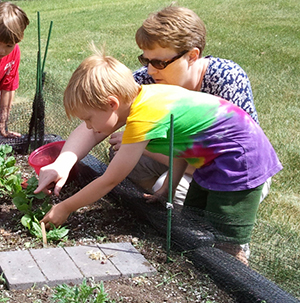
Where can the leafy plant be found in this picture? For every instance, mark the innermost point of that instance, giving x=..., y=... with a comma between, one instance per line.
x=2, y=297
x=10, y=180
x=23, y=200
x=80, y=293
x=11, y=185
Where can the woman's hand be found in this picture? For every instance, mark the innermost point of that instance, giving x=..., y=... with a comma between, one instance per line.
x=116, y=140
x=160, y=196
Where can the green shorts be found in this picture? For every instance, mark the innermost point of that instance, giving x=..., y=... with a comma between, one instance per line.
x=231, y=213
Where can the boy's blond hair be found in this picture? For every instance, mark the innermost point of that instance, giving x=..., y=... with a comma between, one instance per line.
x=96, y=78
x=13, y=22
x=174, y=27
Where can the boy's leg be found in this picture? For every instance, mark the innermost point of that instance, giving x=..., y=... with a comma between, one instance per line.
x=5, y=106
x=266, y=189
x=233, y=214
x=3, y=119
x=196, y=196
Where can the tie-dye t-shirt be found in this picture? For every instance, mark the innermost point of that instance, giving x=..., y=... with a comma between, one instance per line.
x=229, y=150
x=223, y=78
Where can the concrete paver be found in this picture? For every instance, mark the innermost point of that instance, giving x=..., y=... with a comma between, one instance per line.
x=56, y=266
x=90, y=268
x=128, y=260
x=53, y=266
x=20, y=270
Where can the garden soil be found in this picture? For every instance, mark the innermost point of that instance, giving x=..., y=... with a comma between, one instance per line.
x=110, y=221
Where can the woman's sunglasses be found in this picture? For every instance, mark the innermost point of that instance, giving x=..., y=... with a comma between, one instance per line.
x=159, y=64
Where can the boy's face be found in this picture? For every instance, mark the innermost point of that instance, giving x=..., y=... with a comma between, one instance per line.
x=6, y=49
x=98, y=120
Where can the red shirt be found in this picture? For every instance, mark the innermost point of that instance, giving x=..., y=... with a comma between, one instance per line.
x=9, y=70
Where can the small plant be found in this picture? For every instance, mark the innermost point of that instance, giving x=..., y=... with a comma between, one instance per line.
x=23, y=200
x=2, y=279
x=10, y=180
x=83, y=293
x=2, y=296
x=11, y=185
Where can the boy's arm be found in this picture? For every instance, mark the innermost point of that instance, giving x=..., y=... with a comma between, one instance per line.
x=165, y=160
x=116, y=139
x=6, y=98
x=78, y=145
x=118, y=169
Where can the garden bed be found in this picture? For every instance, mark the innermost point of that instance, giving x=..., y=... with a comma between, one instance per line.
x=111, y=221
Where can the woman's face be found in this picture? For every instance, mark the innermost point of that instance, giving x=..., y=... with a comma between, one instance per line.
x=176, y=73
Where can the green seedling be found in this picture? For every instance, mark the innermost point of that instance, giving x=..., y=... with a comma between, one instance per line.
x=24, y=199
x=80, y=294
x=10, y=179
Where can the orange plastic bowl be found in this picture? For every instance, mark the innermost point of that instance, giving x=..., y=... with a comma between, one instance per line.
x=45, y=155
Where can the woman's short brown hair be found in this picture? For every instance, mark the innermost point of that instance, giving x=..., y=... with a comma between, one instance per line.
x=13, y=22
x=175, y=27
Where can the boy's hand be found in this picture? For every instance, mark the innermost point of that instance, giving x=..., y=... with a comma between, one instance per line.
x=57, y=215
x=49, y=177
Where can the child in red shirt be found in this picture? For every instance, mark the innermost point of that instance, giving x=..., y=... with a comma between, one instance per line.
x=13, y=22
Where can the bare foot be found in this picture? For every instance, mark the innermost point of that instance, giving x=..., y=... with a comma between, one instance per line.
x=10, y=134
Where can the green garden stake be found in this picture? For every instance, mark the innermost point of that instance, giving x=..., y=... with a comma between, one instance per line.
x=39, y=51
x=46, y=49
x=170, y=198
x=35, y=104
x=38, y=113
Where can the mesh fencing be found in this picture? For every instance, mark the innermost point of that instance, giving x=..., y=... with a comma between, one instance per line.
x=192, y=231
x=56, y=123
x=193, y=234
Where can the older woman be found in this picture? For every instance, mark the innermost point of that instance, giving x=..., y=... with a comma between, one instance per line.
x=172, y=41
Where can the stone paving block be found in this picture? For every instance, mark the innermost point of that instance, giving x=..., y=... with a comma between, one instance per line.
x=92, y=268
x=53, y=266
x=127, y=259
x=20, y=270
x=57, y=266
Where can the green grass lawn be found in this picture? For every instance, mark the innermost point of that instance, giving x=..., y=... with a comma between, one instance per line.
x=263, y=36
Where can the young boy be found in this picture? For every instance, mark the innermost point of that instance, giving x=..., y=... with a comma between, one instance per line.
x=13, y=22
x=231, y=154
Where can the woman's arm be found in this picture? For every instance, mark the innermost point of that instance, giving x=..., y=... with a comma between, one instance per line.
x=179, y=168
